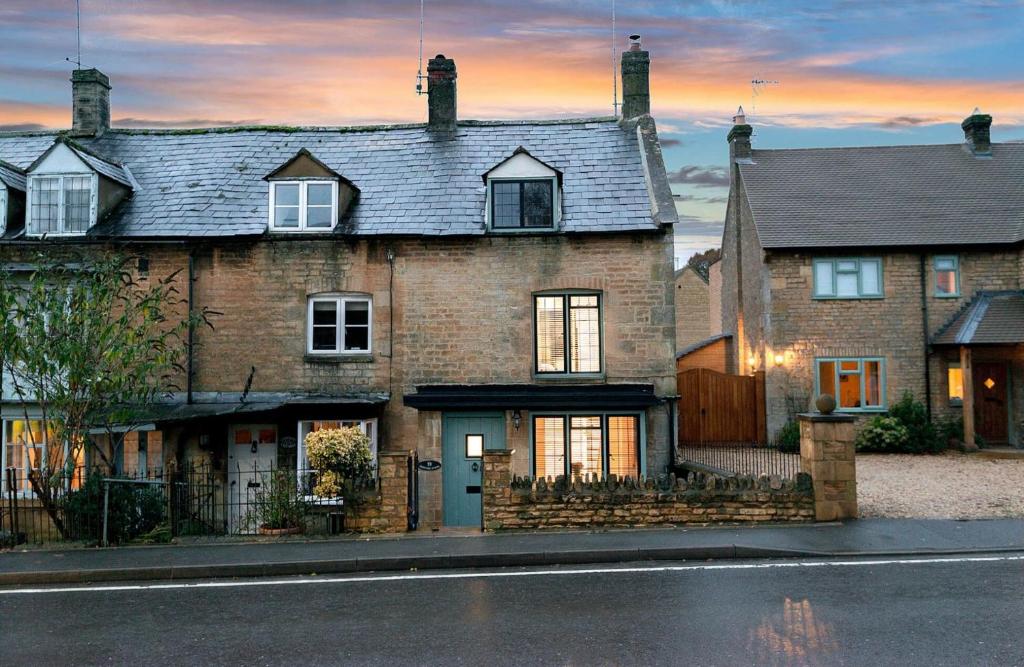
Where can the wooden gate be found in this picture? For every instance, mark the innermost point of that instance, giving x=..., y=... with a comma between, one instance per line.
x=715, y=408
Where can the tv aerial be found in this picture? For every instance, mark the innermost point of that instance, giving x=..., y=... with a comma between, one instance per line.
x=757, y=86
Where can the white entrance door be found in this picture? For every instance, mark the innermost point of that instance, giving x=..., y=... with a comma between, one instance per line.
x=252, y=460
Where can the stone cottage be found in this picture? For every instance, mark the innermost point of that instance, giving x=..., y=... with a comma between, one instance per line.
x=868, y=272
x=449, y=288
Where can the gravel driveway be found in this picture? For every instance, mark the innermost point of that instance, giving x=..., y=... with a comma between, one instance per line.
x=946, y=486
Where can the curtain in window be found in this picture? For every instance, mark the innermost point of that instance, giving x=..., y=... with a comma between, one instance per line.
x=549, y=446
x=585, y=443
x=872, y=384
x=550, y=334
x=623, y=459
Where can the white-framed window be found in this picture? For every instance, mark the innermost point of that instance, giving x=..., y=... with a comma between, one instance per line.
x=848, y=278
x=581, y=444
x=61, y=204
x=857, y=384
x=25, y=446
x=303, y=206
x=339, y=325
x=367, y=426
x=567, y=333
x=947, y=276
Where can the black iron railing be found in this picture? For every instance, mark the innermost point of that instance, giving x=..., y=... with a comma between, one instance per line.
x=753, y=459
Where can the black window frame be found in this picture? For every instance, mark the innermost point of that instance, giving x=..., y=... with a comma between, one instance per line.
x=521, y=182
x=566, y=342
x=567, y=428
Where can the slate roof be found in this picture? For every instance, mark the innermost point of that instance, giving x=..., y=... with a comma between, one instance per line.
x=208, y=183
x=991, y=318
x=886, y=196
x=12, y=176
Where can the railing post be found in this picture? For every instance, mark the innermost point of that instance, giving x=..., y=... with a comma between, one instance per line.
x=106, y=509
x=171, y=474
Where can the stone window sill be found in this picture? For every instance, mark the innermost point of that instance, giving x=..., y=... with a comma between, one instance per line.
x=338, y=358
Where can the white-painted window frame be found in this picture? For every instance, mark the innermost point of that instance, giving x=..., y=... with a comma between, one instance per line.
x=339, y=328
x=303, y=184
x=93, y=204
x=302, y=463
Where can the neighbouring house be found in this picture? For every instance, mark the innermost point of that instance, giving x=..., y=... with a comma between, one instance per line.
x=450, y=288
x=869, y=272
x=692, y=307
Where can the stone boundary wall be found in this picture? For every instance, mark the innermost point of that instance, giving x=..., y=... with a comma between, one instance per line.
x=386, y=511
x=512, y=503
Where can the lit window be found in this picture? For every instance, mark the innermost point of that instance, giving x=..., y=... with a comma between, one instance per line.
x=847, y=278
x=955, y=380
x=582, y=445
x=522, y=204
x=27, y=447
x=61, y=205
x=474, y=446
x=947, y=276
x=568, y=333
x=339, y=325
x=856, y=384
x=303, y=205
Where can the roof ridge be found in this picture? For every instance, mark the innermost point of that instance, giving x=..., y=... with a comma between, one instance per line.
x=869, y=147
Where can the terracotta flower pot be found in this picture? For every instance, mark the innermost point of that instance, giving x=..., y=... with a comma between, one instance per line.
x=278, y=532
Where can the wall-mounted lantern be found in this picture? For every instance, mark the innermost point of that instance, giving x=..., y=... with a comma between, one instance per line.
x=517, y=419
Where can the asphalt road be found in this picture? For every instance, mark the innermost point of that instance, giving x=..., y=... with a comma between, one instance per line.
x=956, y=611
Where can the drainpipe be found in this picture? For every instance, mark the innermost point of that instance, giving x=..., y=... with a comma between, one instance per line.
x=191, y=324
x=927, y=338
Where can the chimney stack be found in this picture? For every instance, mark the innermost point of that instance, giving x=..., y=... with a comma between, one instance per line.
x=636, y=85
x=441, y=98
x=90, y=102
x=739, y=138
x=976, y=132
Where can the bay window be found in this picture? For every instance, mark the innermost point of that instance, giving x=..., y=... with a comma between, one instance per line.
x=567, y=333
x=339, y=325
x=27, y=446
x=856, y=383
x=367, y=426
x=578, y=445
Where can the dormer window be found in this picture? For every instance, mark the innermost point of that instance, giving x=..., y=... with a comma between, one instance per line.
x=303, y=205
x=523, y=194
x=61, y=205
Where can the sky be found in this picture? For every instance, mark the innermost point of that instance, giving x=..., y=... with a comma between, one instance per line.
x=843, y=73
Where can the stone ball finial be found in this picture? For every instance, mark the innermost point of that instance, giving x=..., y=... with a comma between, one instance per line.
x=826, y=404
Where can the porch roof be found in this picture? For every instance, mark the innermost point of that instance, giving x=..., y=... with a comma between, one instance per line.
x=218, y=404
x=991, y=318
x=533, y=397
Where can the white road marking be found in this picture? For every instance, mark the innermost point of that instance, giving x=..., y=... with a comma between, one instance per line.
x=528, y=573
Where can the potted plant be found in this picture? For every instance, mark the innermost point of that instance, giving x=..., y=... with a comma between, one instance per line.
x=279, y=508
x=341, y=458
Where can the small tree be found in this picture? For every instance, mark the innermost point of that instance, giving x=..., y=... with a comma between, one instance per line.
x=91, y=347
x=342, y=458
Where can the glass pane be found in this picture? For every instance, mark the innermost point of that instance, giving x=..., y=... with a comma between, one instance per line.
x=506, y=204
x=474, y=446
x=870, y=278
x=537, y=199
x=955, y=380
x=849, y=390
x=319, y=194
x=325, y=312
x=318, y=217
x=585, y=337
x=325, y=339
x=286, y=195
x=549, y=446
x=946, y=263
x=357, y=312
x=872, y=383
x=357, y=338
x=827, y=378
x=846, y=284
x=823, y=279
x=286, y=216
x=623, y=453
x=945, y=282
x=77, y=192
x=585, y=445
x=846, y=265
x=550, y=334
x=45, y=205
x=849, y=366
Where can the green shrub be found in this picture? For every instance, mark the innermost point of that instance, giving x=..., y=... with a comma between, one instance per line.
x=341, y=456
x=951, y=428
x=278, y=503
x=883, y=434
x=922, y=434
x=787, y=439
x=132, y=510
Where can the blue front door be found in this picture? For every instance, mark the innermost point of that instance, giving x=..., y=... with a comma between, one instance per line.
x=464, y=439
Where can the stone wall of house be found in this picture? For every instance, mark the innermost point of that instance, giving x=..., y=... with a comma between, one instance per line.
x=387, y=510
x=715, y=298
x=693, y=309
x=511, y=503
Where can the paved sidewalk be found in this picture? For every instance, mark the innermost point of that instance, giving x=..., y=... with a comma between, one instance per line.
x=866, y=537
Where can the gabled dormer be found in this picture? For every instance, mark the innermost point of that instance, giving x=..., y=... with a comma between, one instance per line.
x=69, y=189
x=12, y=198
x=524, y=194
x=305, y=195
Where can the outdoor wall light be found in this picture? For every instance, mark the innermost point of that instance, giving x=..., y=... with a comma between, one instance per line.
x=517, y=419
x=752, y=361
x=780, y=358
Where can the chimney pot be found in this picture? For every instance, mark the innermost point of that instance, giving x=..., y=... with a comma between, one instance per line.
x=977, y=128
x=90, y=102
x=441, y=94
x=739, y=137
x=636, y=84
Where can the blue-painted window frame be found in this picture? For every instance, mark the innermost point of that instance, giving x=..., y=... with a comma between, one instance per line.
x=883, y=389
x=834, y=293
x=566, y=415
x=956, y=276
